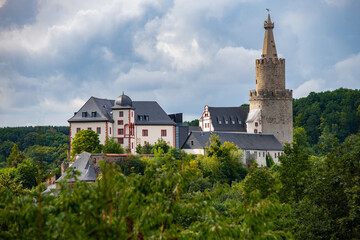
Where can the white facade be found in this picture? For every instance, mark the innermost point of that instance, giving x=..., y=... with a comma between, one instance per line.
x=205, y=121
x=258, y=155
x=253, y=122
x=152, y=133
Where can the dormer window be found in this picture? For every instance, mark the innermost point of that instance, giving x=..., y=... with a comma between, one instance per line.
x=140, y=117
x=239, y=122
x=233, y=122
x=219, y=121
x=84, y=114
x=226, y=122
x=146, y=117
x=93, y=114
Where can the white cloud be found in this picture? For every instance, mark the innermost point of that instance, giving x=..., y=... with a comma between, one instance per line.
x=2, y=3
x=313, y=85
x=336, y=3
x=348, y=71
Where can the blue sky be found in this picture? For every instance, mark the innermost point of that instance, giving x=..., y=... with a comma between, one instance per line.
x=184, y=54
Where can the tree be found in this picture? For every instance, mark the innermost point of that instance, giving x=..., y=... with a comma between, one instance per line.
x=226, y=159
x=28, y=172
x=16, y=157
x=111, y=146
x=258, y=179
x=85, y=140
x=293, y=172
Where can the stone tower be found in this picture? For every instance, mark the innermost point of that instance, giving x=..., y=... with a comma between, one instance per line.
x=270, y=102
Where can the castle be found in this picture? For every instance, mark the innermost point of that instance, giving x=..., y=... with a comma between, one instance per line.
x=270, y=110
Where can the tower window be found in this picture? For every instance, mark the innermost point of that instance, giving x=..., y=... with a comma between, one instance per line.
x=256, y=124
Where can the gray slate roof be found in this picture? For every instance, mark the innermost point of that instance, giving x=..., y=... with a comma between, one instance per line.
x=103, y=108
x=233, y=116
x=157, y=115
x=245, y=141
x=84, y=166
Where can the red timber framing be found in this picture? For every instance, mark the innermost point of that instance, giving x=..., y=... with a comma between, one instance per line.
x=174, y=133
x=106, y=131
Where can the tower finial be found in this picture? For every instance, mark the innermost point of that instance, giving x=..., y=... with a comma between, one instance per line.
x=269, y=48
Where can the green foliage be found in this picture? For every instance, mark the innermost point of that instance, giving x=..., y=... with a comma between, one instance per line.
x=194, y=123
x=111, y=146
x=223, y=162
x=260, y=179
x=330, y=208
x=27, y=173
x=85, y=140
x=161, y=144
x=269, y=161
x=15, y=157
x=332, y=112
x=293, y=172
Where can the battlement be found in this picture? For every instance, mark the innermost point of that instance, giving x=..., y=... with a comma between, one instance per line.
x=278, y=93
x=267, y=61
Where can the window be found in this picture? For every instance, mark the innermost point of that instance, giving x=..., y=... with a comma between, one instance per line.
x=89, y=128
x=256, y=124
x=110, y=130
x=219, y=121
x=121, y=131
x=132, y=114
x=93, y=114
x=163, y=133
x=206, y=114
x=78, y=130
x=275, y=155
x=226, y=122
x=239, y=122
x=120, y=140
x=145, y=132
x=140, y=117
x=146, y=117
x=121, y=114
x=84, y=114
x=255, y=155
x=98, y=130
x=259, y=154
x=255, y=130
x=233, y=122
x=192, y=143
x=263, y=154
x=120, y=122
x=132, y=145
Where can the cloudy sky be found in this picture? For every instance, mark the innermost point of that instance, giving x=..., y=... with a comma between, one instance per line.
x=54, y=55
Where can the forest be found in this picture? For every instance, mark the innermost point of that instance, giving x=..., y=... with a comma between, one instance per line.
x=314, y=193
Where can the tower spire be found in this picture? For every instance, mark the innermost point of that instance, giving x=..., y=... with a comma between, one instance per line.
x=269, y=48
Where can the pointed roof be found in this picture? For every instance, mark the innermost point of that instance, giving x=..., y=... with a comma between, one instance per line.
x=269, y=48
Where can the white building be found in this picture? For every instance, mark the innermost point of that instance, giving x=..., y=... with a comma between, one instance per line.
x=255, y=146
x=129, y=122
